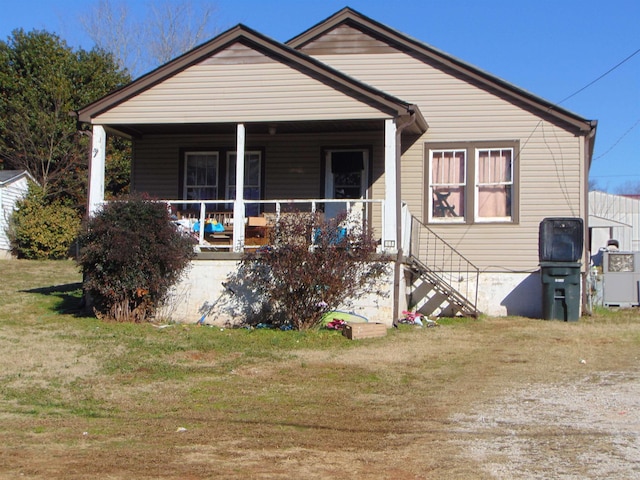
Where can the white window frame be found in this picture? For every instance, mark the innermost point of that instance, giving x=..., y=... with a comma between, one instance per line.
x=432, y=186
x=331, y=209
x=477, y=185
x=329, y=184
x=187, y=185
x=231, y=182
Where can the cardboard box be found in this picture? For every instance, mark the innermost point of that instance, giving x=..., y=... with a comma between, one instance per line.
x=357, y=331
x=257, y=222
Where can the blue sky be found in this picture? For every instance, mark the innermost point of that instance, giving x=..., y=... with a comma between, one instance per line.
x=552, y=48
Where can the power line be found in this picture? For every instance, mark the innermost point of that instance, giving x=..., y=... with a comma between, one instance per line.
x=618, y=140
x=600, y=77
x=619, y=64
x=615, y=176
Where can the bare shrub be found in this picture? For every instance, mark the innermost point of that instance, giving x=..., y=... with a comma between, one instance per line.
x=312, y=265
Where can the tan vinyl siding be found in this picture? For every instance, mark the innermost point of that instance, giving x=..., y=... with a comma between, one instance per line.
x=549, y=161
x=237, y=54
x=219, y=92
x=345, y=40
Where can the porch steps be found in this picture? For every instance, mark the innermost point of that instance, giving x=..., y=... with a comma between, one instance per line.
x=441, y=292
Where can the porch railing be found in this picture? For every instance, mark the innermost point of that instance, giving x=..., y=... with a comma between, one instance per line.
x=193, y=215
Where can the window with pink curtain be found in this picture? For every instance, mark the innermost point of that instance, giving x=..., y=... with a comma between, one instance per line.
x=448, y=184
x=495, y=183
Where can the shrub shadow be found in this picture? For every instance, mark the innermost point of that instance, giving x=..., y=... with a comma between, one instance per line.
x=241, y=295
x=70, y=295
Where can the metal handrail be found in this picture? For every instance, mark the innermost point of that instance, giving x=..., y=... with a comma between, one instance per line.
x=444, y=261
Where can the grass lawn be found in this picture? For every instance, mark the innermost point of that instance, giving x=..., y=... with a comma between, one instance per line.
x=80, y=398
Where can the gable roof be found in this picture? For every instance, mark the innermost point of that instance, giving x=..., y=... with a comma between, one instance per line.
x=290, y=57
x=407, y=44
x=10, y=176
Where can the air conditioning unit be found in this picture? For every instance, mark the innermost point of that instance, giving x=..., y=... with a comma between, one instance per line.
x=621, y=279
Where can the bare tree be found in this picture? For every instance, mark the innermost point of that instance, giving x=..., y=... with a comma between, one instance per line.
x=109, y=25
x=630, y=187
x=593, y=185
x=177, y=28
x=167, y=29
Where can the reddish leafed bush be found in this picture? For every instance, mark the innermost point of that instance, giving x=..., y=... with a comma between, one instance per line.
x=313, y=265
x=131, y=254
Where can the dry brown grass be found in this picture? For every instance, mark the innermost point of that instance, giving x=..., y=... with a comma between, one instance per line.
x=83, y=399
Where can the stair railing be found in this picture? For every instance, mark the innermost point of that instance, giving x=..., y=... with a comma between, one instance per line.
x=444, y=261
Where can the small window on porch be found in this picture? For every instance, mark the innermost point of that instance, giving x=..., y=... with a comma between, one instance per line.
x=346, y=178
x=201, y=176
x=347, y=169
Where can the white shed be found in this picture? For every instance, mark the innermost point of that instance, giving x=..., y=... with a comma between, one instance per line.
x=13, y=186
x=614, y=217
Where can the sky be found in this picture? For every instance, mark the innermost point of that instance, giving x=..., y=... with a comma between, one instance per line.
x=581, y=54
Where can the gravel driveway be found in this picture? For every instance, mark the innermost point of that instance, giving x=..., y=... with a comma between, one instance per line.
x=586, y=429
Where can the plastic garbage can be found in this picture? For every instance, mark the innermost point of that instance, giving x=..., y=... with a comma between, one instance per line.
x=560, y=290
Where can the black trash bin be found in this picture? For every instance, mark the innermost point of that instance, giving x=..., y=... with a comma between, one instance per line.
x=560, y=239
x=559, y=251
x=560, y=290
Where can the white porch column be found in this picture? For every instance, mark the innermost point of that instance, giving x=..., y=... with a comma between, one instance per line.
x=238, y=205
x=96, y=169
x=390, y=240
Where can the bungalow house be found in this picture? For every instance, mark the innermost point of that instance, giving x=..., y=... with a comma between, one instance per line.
x=14, y=185
x=453, y=167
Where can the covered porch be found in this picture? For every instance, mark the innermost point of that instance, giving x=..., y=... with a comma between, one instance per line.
x=228, y=205
x=294, y=168
x=305, y=132
x=213, y=226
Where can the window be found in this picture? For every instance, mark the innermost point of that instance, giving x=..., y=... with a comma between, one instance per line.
x=252, y=179
x=448, y=178
x=200, y=176
x=347, y=172
x=471, y=182
x=494, y=183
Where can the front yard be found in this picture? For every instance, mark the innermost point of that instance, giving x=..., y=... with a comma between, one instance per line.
x=488, y=398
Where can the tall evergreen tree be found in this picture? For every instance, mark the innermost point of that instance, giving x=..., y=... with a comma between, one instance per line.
x=42, y=80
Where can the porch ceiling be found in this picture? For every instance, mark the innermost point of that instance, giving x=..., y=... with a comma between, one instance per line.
x=141, y=130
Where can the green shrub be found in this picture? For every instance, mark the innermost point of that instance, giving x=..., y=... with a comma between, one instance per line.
x=313, y=265
x=131, y=254
x=39, y=230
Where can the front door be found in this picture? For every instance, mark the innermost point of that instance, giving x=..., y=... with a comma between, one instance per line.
x=346, y=174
